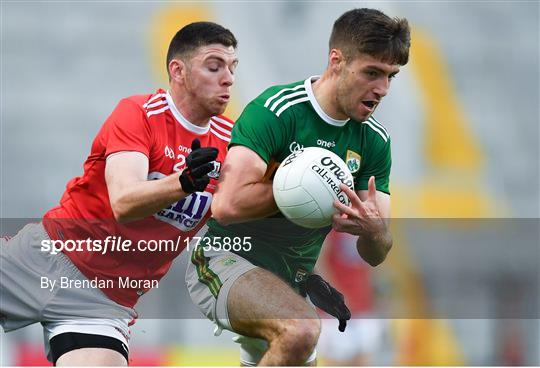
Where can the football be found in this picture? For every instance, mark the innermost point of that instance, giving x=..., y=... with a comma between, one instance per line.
x=306, y=184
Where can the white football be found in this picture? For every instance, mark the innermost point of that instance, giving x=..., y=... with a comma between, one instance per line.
x=306, y=184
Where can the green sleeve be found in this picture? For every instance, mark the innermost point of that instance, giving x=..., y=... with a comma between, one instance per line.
x=260, y=130
x=376, y=162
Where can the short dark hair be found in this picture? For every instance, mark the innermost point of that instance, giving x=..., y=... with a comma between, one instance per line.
x=198, y=34
x=371, y=32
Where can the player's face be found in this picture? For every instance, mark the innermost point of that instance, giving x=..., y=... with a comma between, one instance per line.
x=363, y=82
x=210, y=75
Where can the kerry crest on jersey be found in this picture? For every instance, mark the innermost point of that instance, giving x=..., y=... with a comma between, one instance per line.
x=353, y=161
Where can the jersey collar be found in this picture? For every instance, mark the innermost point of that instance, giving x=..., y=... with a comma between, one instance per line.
x=182, y=120
x=317, y=107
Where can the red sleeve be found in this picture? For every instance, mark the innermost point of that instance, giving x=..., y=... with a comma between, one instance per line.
x=128, y=129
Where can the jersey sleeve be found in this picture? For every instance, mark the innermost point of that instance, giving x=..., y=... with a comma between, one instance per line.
x=128, y=129
x=377, y=162
x=260, y=130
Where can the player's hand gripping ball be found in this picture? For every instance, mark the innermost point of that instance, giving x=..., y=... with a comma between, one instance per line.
x=306, y=185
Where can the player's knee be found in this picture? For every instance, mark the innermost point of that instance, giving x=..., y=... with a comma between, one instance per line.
x=300, y=336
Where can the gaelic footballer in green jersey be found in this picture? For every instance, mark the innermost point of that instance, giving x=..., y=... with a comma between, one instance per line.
x=249, y=292
x=283, y=119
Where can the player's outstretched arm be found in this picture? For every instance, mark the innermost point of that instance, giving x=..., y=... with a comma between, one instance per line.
x=367, y=217
x=241, y=194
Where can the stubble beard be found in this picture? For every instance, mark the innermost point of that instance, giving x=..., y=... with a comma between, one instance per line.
x=348, y=107
x=203, y=104
x=341, y=100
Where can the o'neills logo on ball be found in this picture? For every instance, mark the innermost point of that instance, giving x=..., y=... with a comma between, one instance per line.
x=333, y=175
x=337, y=171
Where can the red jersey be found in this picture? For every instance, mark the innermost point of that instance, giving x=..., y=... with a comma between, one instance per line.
x=348, y=273
x=151, y=125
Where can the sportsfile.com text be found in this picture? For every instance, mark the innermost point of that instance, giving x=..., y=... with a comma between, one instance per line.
x=119, y=244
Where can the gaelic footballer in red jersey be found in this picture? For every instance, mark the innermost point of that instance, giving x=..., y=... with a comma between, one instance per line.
x=153, y=127
x=150, y=175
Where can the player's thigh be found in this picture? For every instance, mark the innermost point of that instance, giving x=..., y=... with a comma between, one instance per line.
x=209, y=276
x=91, y=357
x=224, y=285
x=260, y=304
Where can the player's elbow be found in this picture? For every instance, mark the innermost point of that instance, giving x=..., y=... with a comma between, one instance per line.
x=119, y=216
x=375, y=255
x=375, y=261
x=381, y=256
x=223, y=214
x=120, y=212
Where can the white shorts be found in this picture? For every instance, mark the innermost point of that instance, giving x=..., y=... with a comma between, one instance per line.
x=24, y=298
x=209, y=278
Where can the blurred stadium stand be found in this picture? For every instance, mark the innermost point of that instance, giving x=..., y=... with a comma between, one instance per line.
x=464, y=117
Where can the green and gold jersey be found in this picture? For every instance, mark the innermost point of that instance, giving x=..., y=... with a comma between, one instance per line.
x=283, y=119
